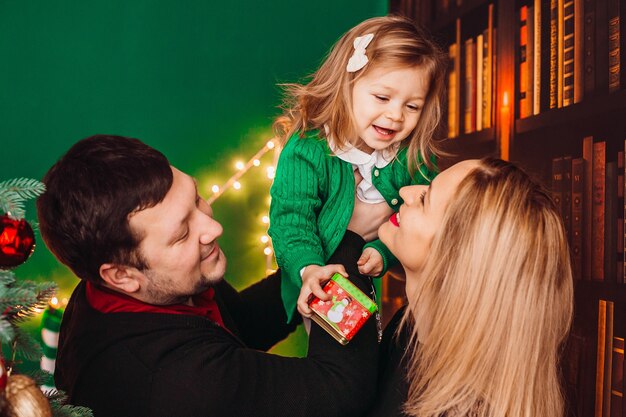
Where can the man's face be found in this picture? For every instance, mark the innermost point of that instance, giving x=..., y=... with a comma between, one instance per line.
x=179, y=244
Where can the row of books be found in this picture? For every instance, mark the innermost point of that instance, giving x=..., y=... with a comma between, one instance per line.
x=594, y=372
x=471, y=79
x=568, y=49
x=589, y=191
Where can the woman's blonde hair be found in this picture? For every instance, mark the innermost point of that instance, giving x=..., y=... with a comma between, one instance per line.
x=497, y=291
x=326, y=101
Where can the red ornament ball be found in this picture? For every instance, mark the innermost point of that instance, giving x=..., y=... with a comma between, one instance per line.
x=17, y=241
x=3, y=376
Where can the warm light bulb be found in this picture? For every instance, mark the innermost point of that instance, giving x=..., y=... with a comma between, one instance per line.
x=256, y=162
x=505, y=99
x=265, y=239
x=267, y=251
x=265, y=219
x=239, y=165
x=271, y=172
x=215, y=189
x=236, y=185
x=54, y=302
x=270, y=145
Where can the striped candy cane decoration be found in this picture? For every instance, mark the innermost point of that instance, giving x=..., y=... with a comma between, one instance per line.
x=50, y=324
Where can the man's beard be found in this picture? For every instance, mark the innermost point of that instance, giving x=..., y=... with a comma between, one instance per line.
x=164, y=291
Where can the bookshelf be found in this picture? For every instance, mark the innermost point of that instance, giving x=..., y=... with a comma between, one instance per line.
x=558, y=85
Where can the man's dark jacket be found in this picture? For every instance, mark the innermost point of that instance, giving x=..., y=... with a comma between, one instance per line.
x=172, y=365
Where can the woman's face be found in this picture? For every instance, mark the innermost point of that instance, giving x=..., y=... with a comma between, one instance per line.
x=410, y=232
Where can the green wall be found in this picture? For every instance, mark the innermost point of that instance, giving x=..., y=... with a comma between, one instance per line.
x=195, y=79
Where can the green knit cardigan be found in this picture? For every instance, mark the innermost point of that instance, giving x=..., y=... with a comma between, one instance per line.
x=312, y=202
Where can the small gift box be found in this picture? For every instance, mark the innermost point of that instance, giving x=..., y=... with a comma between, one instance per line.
x=345, y=313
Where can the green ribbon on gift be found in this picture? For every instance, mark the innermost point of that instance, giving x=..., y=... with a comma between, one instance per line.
x=355, y=293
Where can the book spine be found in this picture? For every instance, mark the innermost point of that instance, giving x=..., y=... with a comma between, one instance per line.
x=566, y=187
x=554, y=30
x=597, y=237
x=469, y=83
x=608, y=360
x=545, y=55
x=524, y=99
x=559, y=53
x=453, y=87
x=557, y=184
x=617, y=377
x=600, y=359
x=579, y=86
x=578, y=172
x=530, y=58
x=537, y=57
x=589, y=47
x=568, y=52
x=610, y=222
x=602, y=47
x=490, y=69
x=486, y=92
x=478, y=105
x=587, y=205
x=614, y=45
x=619, y=278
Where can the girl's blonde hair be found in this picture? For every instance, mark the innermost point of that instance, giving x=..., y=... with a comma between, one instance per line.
x=326, y=101
x=497, y=291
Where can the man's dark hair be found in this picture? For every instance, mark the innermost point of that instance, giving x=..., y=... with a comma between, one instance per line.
x=90, y=192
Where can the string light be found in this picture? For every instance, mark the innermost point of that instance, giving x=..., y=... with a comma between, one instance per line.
x=256, y=162
x=270, y=144
x=215, y=188
x=267, y=251
x=271, y=172
x=240, y=165
x=265, y=239
x=265, y=219
x=236, y=185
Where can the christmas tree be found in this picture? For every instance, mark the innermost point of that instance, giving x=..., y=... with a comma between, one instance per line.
x=20, y=395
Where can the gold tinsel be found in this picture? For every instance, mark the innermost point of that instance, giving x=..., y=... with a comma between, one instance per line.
x=25, y=399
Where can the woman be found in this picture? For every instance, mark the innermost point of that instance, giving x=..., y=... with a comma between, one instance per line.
x=490, y=295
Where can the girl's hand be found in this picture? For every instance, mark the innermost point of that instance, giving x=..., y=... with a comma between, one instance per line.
x=370, y=263
x=313, y=277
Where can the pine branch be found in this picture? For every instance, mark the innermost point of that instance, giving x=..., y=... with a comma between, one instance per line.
x=11, y=202
x=26, y=188
x=26, y=345
x=57, y=401
x=7, y=334
x=7, y=277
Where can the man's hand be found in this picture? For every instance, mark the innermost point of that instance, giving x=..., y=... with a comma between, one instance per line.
x=313, y=277
x=370, y=263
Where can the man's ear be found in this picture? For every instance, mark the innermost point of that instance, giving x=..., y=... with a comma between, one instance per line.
x=122, y=278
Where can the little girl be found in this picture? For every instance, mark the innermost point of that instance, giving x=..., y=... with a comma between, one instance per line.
x=369, y=111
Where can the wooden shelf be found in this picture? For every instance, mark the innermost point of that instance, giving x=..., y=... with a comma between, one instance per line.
x=599, y=109
x=468, y=7
x=472, y=145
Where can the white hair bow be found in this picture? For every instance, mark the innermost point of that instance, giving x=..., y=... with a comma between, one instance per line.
x=358, y=58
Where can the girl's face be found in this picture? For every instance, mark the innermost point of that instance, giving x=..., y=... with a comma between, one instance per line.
x=387, y=104
x=409, y=233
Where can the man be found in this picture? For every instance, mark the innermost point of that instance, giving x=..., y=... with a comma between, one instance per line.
x=152, y=329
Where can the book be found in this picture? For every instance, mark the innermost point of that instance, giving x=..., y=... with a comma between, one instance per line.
x=604, y=359
x=614, y=44
x=619, y=278
x=559, y=52
x=554, y=52
x=617, y=377
x=566, y=189
x=537, y=57
x=469, y=108
x=345, y=313
x=598, y=210
x=578, y=172
x=579, y=86
x=587, y=206
x=602, y=47
x=524, y=96
x=479, y=81
x=488, y=69
x=453, y=92
x=610, y=222
x=557, y=183
x=589, y=47
x=568, y=52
